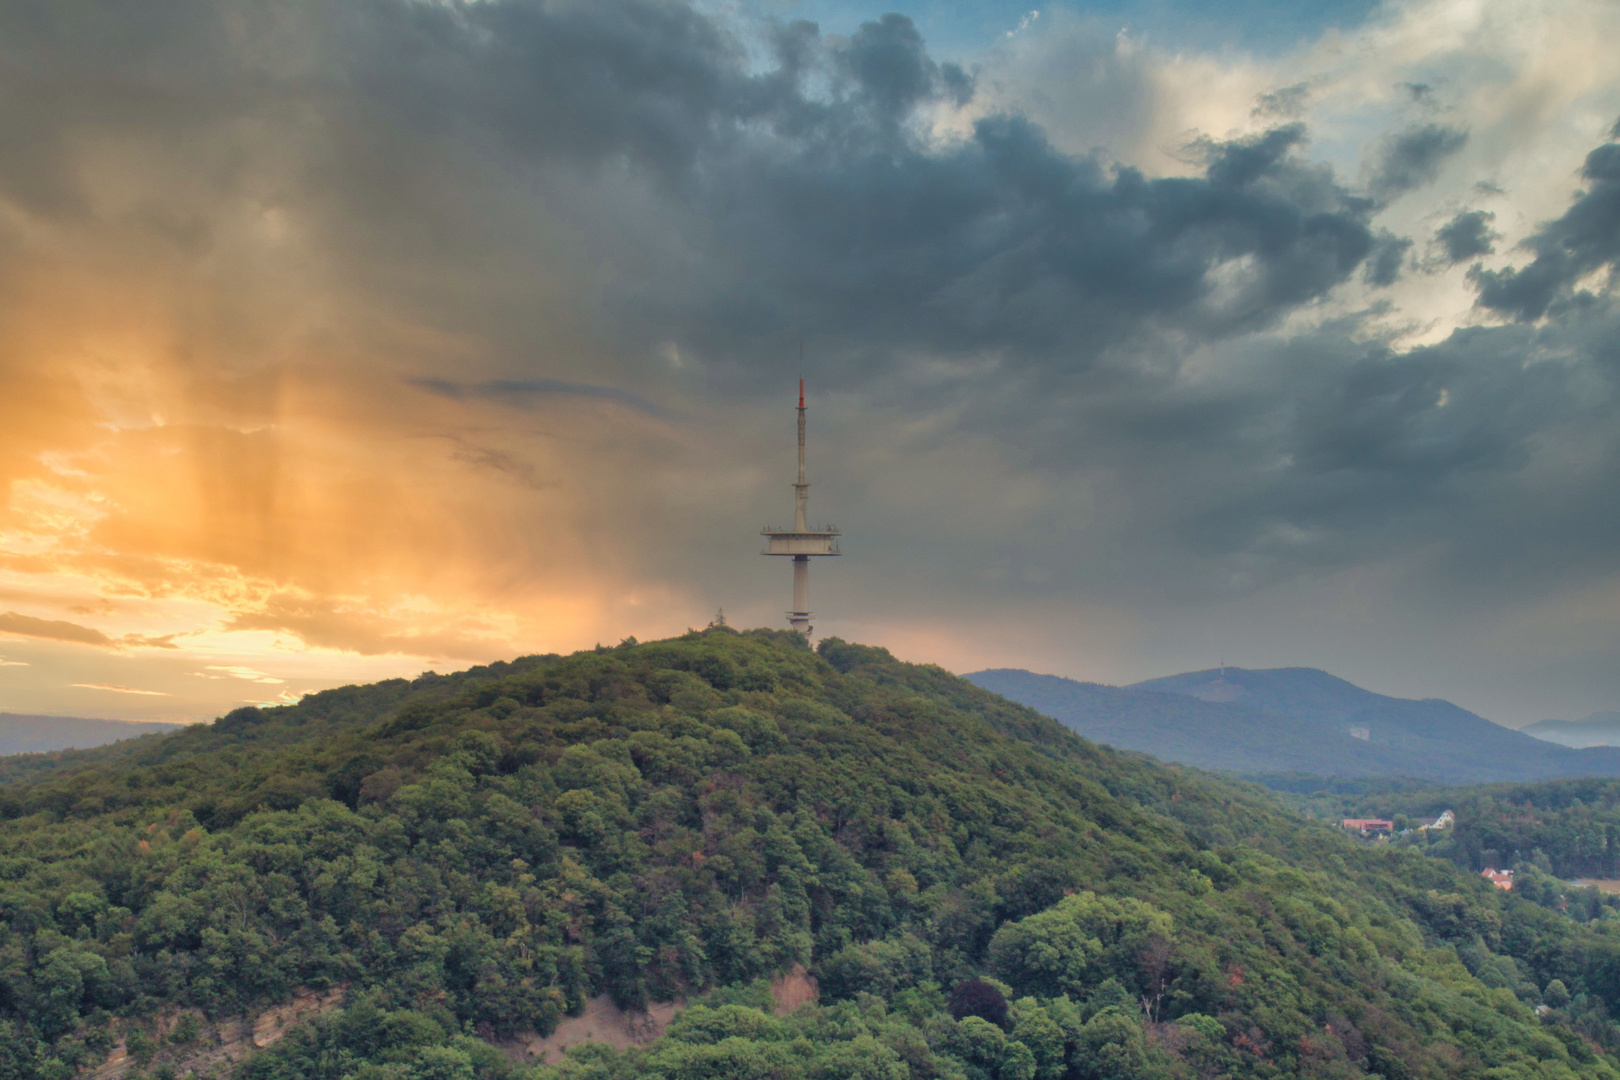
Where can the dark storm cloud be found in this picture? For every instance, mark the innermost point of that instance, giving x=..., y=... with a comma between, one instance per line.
x=809, y=189
x=1284, y=102
x=688, y=209
x=878, y=240
x=1585, y=239
x=1492, y=442
x=1388, y=256
x=1491, y=450
x=887, y=60
x=1467, y=236
x=1412, y=159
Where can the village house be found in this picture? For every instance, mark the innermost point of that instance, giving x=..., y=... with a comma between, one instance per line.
x=1445, y=821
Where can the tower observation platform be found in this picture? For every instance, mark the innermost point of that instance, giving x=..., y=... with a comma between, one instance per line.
x=803, y=542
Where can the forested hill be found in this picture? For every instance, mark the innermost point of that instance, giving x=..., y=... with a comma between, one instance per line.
x=1296, y=720
x=1180, y=728
x=1434, y=738
x=979, y=893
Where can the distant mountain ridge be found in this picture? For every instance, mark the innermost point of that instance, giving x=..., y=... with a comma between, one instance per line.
x=1296, y=720
x=1176, y=727
x=22, y=733
x=1599, y=729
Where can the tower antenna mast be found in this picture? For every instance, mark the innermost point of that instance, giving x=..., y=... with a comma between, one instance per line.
x=804, y=541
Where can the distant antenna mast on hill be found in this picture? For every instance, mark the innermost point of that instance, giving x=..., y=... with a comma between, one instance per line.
x=802, y=542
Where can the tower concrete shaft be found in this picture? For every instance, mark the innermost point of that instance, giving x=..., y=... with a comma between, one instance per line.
x=803, y=542
x=799, y=617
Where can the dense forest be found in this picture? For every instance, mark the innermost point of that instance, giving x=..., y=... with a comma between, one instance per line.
x=978, y=893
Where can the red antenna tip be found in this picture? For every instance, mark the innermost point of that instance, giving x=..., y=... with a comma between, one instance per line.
x=801, y=393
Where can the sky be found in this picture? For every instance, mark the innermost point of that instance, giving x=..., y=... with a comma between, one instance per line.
x=343, y=342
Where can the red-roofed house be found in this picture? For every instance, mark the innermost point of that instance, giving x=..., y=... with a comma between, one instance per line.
x=1502, y=879
x=1368, y=826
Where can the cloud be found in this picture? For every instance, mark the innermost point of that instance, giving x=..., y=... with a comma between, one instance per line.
x=809, y=189
x=1412, y=158
x=239, y=671
x=1388, y=255
x=12, y=622
x=121, y=689
x=887, y=244
x=887, y=61
x=286, y=697
x=1586, y=238
x=146, y=641
x=330, y=625
x=1287, y=102
x=519, y=393
x=1467, y=236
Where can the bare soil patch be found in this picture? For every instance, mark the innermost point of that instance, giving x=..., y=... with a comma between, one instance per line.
x=794, y=990
x=601, y=1022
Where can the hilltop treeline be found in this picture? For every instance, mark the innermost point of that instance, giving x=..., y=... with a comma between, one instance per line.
x=979, y=893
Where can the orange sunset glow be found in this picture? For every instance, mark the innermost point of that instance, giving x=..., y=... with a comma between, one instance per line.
x=204, y=513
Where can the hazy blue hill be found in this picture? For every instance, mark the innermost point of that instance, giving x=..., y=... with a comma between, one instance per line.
x=1175, y=727
x=1296, y=720
x=1433, y=738
x=1303, y=693
x=24, y=734
x=1599, y=729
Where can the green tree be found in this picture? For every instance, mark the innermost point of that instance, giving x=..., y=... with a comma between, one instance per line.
x=1076, y=944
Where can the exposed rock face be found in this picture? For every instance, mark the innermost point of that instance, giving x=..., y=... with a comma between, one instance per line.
x=604, y=1022
x=220, y=1045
